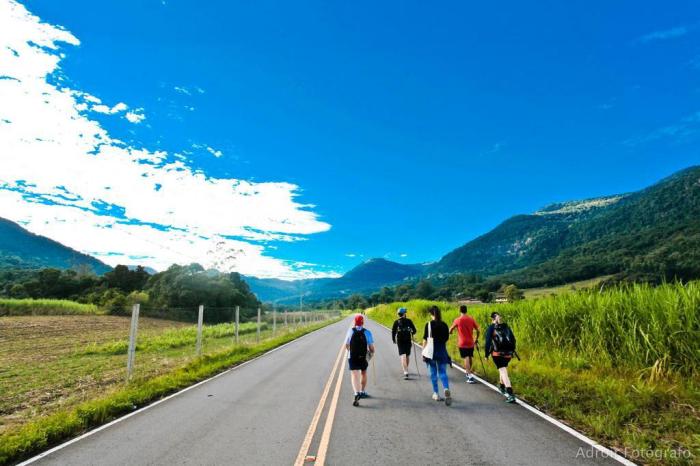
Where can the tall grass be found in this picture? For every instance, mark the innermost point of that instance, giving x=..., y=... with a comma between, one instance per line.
x=32, y=307
x=621, y=365
x=638, y=327
x=174, y=338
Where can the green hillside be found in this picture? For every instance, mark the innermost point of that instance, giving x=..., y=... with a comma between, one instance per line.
x=653, y=233
x=21, y=249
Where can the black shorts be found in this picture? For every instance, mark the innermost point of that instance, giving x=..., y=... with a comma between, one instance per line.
x=466, y=352
x=500, y=361
x=358, y=364
x=404, y=347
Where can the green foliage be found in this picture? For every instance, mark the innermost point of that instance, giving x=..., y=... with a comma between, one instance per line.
x=621, y=365
x=20, y=249
x=175, y=338
x=43, y=432
x=512, y=293
x=190, y=286
x=651, y=236
x=23, y=307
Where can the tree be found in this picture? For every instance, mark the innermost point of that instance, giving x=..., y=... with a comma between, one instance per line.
x=425, y=290
x=512, y=293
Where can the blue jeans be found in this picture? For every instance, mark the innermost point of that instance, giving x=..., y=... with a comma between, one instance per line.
x=437, y=368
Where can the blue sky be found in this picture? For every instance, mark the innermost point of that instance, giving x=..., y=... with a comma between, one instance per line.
x=409, y=128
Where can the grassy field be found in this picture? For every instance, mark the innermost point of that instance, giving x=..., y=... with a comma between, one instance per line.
x=25, y=307
x=621, y=366
x=50, y=366
x=531, y=293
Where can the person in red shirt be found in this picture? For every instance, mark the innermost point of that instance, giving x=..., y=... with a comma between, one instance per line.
x=466, y=325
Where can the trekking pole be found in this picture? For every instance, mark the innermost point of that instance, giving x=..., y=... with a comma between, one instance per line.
x=415, y=356
x=481, y=359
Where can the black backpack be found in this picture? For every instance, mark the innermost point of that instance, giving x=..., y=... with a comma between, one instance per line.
x=404, y=334
x=358, y=344
x=503, y=339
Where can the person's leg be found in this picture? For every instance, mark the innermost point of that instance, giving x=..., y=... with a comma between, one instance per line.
x=355, y=379
x=468, y=365
x=506, y=381
x=503, y=372
x=404, y=362
x=442, y=372
x=433, y=375
x=364, y=380
x=501, y=384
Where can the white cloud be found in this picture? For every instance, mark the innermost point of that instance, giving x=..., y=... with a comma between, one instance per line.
x=214, y=152
x=664, y=34
x=64, y=176
x=350, y=254
x=182, y=90
x=135, y=117
x=403, y=254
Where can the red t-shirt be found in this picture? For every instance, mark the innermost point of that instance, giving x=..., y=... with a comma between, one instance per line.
x=465, y=330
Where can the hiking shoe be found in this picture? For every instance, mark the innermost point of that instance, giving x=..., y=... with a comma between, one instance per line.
x=364, y=395
x=503, y=391
x=471, y=379
x=356, y=401
x=448, y=397
x=405, y=375
x=436, y=397
x=510, y=399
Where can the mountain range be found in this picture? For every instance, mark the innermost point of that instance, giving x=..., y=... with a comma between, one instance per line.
x=655, y=231
x=22, y=249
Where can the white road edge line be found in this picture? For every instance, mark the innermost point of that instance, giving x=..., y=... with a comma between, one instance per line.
x=607, y=452
x=155, y=403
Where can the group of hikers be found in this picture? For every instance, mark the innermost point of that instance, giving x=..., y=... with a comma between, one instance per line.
x=499, y=345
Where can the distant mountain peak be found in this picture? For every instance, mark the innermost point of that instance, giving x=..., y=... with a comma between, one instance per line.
x=22, y=249
x=575, y=207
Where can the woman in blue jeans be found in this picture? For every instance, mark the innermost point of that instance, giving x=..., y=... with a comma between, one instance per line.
x=441, y=359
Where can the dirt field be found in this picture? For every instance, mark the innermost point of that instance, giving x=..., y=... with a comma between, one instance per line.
x=44, y=364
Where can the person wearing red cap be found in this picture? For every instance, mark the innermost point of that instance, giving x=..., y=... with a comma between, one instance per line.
x=360, y=345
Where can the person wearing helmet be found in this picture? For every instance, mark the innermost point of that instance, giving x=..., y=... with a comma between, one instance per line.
x=402, y=335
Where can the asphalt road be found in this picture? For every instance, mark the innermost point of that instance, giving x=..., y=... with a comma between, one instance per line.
x=260, y=414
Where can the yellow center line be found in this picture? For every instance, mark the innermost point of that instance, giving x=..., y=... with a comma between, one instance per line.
x=326, y=436
x=306, y=444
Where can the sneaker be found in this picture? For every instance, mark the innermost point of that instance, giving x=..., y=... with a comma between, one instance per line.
x=436, y=397
x=503, y=391
x=510, y=399
x=405, y=375
x=471, y=379
x=356, y=401
x=364, y=394
x=448, y=397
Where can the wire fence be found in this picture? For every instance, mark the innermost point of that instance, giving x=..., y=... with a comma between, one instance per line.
x=46, y=360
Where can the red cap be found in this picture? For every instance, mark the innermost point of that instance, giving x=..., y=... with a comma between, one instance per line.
x=359, y=320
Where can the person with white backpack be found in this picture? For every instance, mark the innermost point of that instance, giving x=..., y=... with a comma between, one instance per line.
x=435, y=336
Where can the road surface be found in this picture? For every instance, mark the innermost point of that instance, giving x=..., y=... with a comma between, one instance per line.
x=264, y=412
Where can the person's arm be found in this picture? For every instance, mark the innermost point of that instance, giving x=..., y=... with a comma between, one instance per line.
x=413, y=328
x=425, y=335
x=453, y=326
x=478, y=333
x=394, y=330
x=371, y=348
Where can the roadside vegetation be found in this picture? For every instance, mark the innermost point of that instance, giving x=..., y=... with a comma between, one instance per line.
x=62, y=375
x=24, y=307
x=621, y=365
